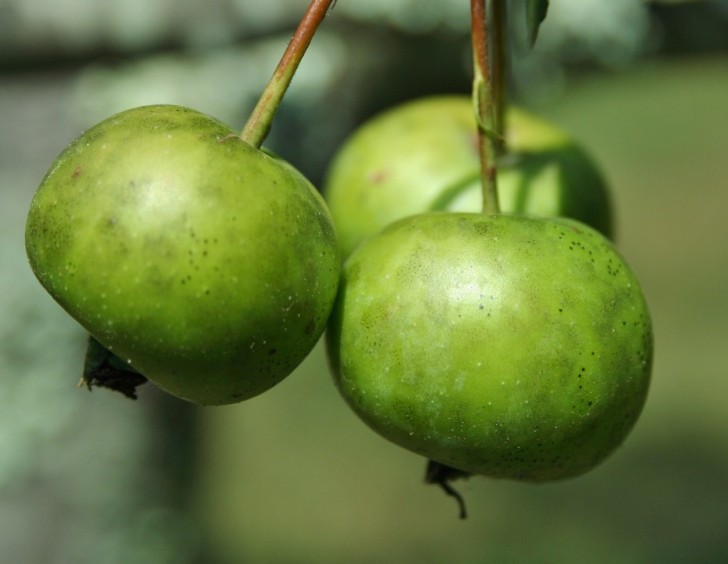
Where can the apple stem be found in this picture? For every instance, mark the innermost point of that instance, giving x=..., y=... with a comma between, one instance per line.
x=500, y=72
x=258, y=125
x=483, y=104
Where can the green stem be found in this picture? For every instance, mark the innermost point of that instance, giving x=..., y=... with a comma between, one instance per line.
x=483, y=102
x=500, y=69
x=258, y=125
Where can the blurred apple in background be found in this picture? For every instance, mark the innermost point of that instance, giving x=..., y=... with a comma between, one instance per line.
x=423, y=156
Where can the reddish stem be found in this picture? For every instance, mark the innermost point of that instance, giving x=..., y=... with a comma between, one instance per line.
x=483, y=98
x=259, y=122
x=500, y=72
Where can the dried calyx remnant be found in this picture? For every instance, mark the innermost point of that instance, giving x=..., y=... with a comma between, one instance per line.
x=442, y=475
x=102, y=369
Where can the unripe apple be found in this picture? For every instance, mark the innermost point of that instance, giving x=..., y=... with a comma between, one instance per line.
x=206, y=264
x=507, y=346
x=423, y=156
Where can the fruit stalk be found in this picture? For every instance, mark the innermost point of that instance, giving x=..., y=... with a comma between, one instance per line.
x=500, y=73
x=258, y=125
x=483, y=103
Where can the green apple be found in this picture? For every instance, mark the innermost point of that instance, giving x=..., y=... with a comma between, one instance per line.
x=507, y=346
x=423, y=156
x=206, y=264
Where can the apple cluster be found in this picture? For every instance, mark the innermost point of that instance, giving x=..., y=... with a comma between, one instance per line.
x=514, y=345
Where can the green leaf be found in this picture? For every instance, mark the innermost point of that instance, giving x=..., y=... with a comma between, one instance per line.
x=535, y=14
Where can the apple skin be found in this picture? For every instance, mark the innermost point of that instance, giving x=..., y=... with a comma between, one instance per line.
x=205, y=263
x=506, y=346
x=423, y=156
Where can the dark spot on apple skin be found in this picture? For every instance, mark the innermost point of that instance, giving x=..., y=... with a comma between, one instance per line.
x=310, y=326
x=378, y=176
x=77, y=172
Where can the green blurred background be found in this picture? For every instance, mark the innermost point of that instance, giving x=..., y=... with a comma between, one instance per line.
x=293, y=476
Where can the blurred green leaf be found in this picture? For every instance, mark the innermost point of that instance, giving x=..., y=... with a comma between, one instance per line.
x=535, y=14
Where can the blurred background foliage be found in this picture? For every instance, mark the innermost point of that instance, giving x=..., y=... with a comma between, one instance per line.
x=293, y=476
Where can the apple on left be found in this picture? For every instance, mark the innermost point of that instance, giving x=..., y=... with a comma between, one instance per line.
x=206, y=264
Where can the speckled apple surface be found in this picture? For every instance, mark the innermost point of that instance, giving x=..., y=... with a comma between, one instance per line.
x=506, y=346
x=206, y=264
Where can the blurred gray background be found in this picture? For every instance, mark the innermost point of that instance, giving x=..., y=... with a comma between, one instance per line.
x=293, y=476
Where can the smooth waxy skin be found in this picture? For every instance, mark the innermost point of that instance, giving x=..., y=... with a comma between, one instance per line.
x=423, y=156
x=208, y=265
x=506, y=346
